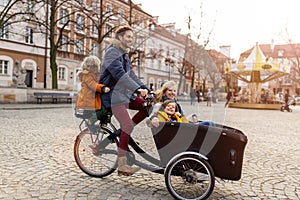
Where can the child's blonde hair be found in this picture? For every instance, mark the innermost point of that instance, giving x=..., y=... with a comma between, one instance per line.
x=91, y=61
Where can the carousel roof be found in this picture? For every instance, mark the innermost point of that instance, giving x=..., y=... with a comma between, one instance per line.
x=257, y=63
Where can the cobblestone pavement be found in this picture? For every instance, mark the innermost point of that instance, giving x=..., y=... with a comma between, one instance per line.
x=36, y=151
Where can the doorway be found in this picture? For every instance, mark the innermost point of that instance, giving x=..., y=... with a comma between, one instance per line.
x=28, y=78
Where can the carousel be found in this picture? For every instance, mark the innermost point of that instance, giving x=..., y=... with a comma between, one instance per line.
x=256, y=70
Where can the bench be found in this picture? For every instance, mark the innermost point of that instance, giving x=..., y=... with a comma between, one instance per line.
x=52, y=95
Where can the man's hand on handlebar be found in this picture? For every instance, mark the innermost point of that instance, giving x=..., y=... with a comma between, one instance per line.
x=143, y=93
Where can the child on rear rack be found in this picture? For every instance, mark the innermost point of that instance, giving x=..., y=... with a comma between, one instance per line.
x=89, y=96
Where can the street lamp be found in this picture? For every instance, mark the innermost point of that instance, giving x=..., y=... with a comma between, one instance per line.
x=135, y=57
x=139, y=62
x=170, y=63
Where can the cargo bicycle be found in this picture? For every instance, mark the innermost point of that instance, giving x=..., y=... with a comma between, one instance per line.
x=189, y=164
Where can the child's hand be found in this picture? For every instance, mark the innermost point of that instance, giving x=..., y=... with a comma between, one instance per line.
x=106, y=89
x=178, y=114
x=155, y=122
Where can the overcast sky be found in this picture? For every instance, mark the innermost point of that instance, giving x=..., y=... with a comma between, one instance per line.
x=239, y=23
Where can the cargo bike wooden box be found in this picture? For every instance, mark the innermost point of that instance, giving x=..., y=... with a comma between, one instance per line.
x=190, y=155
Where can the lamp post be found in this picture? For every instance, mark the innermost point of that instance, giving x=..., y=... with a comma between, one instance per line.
x=46, y=45
x=135, y=57
x=170, y=63
x=139, y=63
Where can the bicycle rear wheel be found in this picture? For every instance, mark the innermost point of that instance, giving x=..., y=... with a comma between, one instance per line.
x=96, y=161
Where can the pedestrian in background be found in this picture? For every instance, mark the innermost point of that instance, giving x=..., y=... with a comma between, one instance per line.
x=228, y=97
x=192, y=96
x=209, y=98
x=286, y=97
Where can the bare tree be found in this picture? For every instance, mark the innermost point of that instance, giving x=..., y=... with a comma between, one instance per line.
x=183, y=69
x=195, y=54
x=294, y=58
x=13, y=12
x=54, y=23
x=10, y=12
x=102, y=21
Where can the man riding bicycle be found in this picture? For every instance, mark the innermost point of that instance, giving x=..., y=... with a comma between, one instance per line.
x=118, y=75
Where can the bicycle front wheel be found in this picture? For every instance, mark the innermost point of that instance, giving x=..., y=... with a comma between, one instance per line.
x=96, y=154
x=189, y=177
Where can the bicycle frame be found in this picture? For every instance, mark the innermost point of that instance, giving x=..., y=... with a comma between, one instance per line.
x=115, y=133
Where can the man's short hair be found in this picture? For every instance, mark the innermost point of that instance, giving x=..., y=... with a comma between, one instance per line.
x=120, y=31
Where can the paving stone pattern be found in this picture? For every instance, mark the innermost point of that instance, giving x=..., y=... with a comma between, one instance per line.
x=36, y=151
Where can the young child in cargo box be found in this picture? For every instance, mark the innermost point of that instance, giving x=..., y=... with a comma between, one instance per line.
x=168, y=113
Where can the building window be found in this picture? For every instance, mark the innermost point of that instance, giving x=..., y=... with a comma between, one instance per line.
x=109, y=9
x=287, y=80
x=29, y=35
x=159, y=84
x=63, y=43
x=30, y=6
x=62, y=73
x=4, y=31
x=108, y=30
x=64, y=16
x=77, y=77
x=3, y=67
x=95, y=4
x=132, y=20
x=80, y=22
x=120, y=15
x=152, y=84
x=142, y=23
x=79, y=47
x=94, y=29
x=94, y=49
x=280, y=53
x=4, y=2
x=139, y=41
